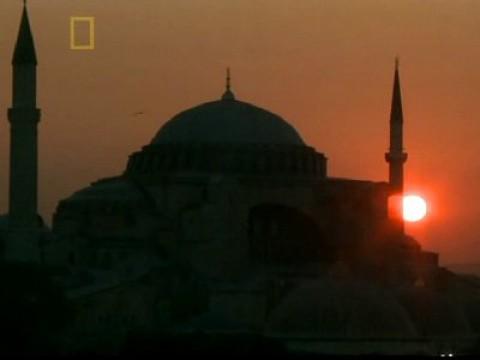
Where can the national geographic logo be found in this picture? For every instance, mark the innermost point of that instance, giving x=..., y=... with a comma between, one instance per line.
x=75, y=23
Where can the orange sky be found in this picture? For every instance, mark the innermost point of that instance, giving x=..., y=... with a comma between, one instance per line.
x=324, y=65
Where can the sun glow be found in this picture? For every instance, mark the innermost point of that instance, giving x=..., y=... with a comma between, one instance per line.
x=414, y=208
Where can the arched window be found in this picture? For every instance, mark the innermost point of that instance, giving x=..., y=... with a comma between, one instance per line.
x=281, y=234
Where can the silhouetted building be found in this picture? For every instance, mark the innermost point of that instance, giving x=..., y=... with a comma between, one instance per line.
x=229, y=198
x=227, y=222
x=227, y=186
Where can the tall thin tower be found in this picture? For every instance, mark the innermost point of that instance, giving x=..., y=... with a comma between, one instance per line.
x=22, y=241
x=395, y=156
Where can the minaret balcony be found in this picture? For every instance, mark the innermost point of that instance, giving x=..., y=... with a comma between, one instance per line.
x=396, y=157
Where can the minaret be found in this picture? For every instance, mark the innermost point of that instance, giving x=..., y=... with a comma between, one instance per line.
x=22, y=241
x=395, y=156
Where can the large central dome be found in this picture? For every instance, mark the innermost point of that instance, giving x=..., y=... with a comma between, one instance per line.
x=226, y=136
x=227, y=121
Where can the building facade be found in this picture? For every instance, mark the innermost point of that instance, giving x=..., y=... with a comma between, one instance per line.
x=226, y=221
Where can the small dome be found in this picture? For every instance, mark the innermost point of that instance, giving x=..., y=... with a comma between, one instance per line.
x=436, y=313
x=114, y=190
x=334, y=308
x=227, y=121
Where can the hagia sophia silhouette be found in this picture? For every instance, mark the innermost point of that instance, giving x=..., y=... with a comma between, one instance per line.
x=226, y=221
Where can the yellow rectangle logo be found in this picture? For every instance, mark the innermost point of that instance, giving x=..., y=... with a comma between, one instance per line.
x=74, y=20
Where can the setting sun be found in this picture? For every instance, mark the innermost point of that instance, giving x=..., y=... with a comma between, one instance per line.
x=414, y=208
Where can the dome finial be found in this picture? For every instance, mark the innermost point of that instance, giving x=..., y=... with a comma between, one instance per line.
x=228, y=79
x=228, y=94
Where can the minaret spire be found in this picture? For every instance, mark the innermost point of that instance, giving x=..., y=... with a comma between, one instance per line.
x=228, y=94
x=24, y=49
x=396, y=111
x=23, y=236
